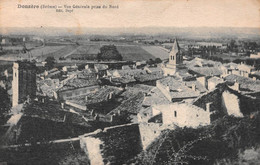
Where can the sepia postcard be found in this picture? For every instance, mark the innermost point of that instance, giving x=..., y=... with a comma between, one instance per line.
x=129, y=82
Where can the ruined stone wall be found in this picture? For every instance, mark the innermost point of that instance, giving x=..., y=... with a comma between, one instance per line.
x=150, y=131
x=213, y=97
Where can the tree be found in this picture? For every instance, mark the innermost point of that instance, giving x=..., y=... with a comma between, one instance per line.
x=157, y=60
x=50, y=62
x=109, y=52
x=5, y=103
x=150, y=61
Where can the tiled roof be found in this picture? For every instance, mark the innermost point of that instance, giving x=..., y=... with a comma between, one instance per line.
x=86, y=73
x=154, y=69
x=130, y=72
x=183, y=74
x=99, y=96
x=202, y=62
x=245, y=83
x=215, y=79
x=101, y=66
x=124, y=80
x=48, y=86
x=148, y=77
x=75, y=83
x=155, y=97
x=207, y=71
x=178, y=89
x=199, y=86
x=183, y=106
x=244, y=67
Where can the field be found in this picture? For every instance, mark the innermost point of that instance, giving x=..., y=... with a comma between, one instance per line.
x=84, y=50
x=134, y=53
x=64, y=51
x=129, y=52
x=45, y=50
x=36, y=53
x=156, y=51
x=229, y=57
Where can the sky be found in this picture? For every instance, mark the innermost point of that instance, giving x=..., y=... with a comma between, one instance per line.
x=133, y=13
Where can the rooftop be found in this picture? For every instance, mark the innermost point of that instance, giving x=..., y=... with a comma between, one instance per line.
x=155, y=97
x=99, y=96
x=75, y=83
x=207, y=71
x=86, y=73
x=148, y=77
x=153, y=69
x=245, y=83
x=182, y=106
x=180, y=89
x=101, y=66
x=216, y=79
x=124, y=80
x=130, y=72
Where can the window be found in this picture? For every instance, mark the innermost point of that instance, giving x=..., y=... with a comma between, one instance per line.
x=175, y=114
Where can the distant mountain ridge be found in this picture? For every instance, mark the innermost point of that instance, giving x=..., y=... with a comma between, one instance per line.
x=183, y=32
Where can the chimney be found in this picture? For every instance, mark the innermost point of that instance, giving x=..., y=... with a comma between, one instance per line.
x=86, y=67
x=112, y=118
x=193, y=87
x=168, y=88
x=62, y=105
x=208, y=106
x=236, y=86
x=86, y=98
x=203, y=81
x=110, y=95
x=97, y=77
x=96, y=117
x=92, y=113
x=45, y=73
x=110, y=79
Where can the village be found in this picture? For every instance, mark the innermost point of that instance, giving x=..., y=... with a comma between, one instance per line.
x=90, y=103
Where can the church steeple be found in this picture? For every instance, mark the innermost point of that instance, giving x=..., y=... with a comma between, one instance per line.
x=174, y=56
x=175, y=47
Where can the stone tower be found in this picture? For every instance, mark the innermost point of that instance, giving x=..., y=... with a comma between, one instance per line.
x=24, y=81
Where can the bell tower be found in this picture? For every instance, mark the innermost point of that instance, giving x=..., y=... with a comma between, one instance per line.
x=175, y=57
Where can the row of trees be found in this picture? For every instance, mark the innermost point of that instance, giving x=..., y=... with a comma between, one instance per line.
x=153, y=62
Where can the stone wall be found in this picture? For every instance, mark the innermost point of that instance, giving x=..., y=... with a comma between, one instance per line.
x=231, y=104
x=113, y=145
x=150, y=131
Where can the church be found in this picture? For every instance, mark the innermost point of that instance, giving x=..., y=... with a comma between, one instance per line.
x=175, y=60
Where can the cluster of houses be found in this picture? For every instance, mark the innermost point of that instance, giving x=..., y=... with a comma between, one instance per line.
x=183, y=93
